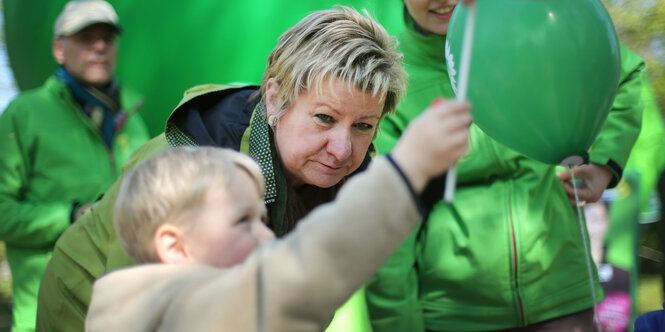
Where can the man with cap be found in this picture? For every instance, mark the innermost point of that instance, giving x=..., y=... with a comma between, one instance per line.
x=62, y=145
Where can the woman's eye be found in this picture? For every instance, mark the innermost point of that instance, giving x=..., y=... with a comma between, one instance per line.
x=324, y=118
x=364, y=126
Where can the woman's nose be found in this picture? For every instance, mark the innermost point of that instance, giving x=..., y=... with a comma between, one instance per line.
x=339, y=144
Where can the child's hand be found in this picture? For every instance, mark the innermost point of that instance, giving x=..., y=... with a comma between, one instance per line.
x=596, y=178
x=434, y=141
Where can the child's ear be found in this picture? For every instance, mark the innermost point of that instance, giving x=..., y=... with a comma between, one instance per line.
x=170, y=245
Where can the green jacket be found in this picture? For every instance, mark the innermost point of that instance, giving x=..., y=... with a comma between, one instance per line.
x=508, y=252
x=214, y=115
x=52, y=156
x=647, y=156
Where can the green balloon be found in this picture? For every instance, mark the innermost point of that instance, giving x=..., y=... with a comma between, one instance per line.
x=544, y=73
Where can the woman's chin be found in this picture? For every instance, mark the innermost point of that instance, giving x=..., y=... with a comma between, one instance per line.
x=324, y=180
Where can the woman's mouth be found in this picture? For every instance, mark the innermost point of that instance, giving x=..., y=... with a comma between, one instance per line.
x=330, y=166
x=443, y=11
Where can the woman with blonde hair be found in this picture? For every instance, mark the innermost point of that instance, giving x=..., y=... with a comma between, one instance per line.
x=328, y=82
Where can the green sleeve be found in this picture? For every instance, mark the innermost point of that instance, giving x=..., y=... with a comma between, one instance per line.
x=392, y=294
x=613, y=144
x=23, y=223
x=80, y=256
x=88, y=249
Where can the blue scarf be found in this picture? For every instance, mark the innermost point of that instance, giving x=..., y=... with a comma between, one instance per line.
x=92, y=100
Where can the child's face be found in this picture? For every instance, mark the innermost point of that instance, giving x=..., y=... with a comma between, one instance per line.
x=432, y=15
x=231, y=224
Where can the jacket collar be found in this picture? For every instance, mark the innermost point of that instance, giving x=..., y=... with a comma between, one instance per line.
x=422, y=49
x=260, y=150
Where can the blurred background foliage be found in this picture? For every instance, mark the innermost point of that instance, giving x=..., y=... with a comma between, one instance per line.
x=640, y=25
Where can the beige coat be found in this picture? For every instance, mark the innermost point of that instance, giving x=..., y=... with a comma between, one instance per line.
x=292, y=284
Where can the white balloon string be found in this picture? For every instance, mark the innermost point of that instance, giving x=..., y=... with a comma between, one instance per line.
x=451, y=183
x=465, y=61
x=587, y=254
x=465, y=66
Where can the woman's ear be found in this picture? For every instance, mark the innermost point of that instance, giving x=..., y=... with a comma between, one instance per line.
x=170, y=245
x=272, y=89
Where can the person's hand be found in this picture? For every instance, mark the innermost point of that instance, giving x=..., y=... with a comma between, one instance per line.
x=434, y=141
x=595, y=180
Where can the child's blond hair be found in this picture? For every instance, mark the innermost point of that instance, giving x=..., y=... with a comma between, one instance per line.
x=171, y=187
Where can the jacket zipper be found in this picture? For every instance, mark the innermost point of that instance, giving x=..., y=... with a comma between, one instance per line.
x=109, y=153
x=514, y=243
x=88, y=123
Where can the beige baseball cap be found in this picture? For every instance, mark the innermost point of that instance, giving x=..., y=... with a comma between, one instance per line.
x=78, y=15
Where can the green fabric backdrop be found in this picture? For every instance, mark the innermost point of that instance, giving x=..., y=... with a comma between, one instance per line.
x=169, y=46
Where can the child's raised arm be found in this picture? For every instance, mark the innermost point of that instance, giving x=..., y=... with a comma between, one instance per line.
x=295, y=283
x=339, y=246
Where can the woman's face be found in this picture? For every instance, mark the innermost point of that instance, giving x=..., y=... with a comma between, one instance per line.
x=323, y=137
x=432, y=15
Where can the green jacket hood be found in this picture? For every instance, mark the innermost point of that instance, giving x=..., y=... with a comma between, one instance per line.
x=216, y=115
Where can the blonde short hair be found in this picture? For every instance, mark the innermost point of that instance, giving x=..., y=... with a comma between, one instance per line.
x=172, y=187
x=336, y=43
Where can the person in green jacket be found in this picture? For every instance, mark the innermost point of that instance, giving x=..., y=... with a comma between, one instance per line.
x=62, y=145
x=309, y=126
x=507, y=253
